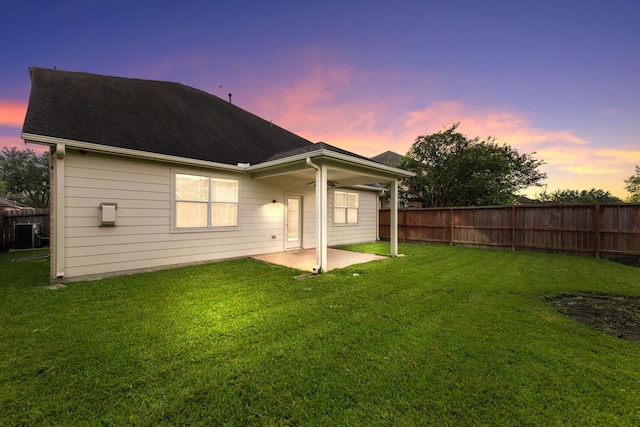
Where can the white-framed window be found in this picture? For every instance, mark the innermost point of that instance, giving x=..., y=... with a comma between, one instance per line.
x=205, y=202
x=345, y=207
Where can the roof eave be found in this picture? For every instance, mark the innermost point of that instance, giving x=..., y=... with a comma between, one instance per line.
x=126, y=152
x=88, y=146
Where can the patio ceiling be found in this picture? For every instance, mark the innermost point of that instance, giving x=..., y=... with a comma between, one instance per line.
x=345, y=171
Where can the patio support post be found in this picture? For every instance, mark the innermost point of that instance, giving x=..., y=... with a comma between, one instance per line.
x=393, y=235
x=322, y=244
x=321, y=215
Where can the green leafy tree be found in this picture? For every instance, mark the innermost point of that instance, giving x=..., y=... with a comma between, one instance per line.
x=25, y=175
x=453, y=170
x=632, y=185
x=579, y=196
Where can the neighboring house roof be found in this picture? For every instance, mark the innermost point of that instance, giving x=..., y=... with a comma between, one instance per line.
x=10, y=204
x=388, y=158
x=151, y=116
x=523, y=200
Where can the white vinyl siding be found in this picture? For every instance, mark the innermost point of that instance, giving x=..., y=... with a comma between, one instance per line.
x=144, y=237
x=364, y=230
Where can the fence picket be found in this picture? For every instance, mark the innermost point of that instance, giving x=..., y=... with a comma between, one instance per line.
x=600, y=230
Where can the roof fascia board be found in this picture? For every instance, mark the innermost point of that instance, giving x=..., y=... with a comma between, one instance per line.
x=336, y=156
x=53, y=141
x=261, y=169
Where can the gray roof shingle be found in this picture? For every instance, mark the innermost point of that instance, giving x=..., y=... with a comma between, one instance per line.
x=151, y=116
x=10, y=204
x=313, y=147
x=388, y=158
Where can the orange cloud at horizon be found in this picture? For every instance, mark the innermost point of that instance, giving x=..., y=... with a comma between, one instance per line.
x=9, y=141
x=316, y=108
x=12, y=113
x=322, y=105
x=15, y=141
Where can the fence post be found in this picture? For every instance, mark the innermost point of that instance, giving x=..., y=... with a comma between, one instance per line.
x=404, y=225
x=513, y=227
x=1, y=231
x=451, y=227
x=596, y=229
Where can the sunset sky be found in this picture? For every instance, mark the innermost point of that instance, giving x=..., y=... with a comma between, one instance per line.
x=557, y=77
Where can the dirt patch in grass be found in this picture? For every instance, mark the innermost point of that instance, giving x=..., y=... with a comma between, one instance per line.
x=615, y=315
x=632, y=261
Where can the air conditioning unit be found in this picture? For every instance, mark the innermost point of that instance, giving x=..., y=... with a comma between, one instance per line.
x=26, y=236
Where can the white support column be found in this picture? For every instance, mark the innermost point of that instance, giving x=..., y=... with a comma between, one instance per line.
x=393, y=235
x=59, y=212
x=323, y=217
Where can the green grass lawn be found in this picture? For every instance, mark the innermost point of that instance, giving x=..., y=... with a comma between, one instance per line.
x=443, y=336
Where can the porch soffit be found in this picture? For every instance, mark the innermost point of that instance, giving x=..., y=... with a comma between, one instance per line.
x=342, y=172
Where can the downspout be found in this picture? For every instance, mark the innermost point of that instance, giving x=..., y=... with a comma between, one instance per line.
x=319, y=260
x=59, y=213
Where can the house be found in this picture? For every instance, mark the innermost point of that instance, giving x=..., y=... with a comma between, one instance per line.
x=10, y=205
x=148, y=175
x=389, y=158
x=524, y=200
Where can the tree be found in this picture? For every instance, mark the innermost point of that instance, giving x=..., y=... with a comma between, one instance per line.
x=633, y=186
x=453, y=170
x=26, y=176
x=577, y=196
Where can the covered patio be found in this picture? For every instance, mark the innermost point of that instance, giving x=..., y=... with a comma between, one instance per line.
x=326, y=166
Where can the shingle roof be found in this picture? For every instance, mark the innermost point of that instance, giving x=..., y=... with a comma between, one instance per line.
x=313, y=147
x=151, y=116
x=389, y=158
x=10, y=204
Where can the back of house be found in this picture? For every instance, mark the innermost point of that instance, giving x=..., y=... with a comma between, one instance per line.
x=149, y=174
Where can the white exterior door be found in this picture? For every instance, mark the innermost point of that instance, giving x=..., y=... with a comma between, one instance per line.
x=293, y=222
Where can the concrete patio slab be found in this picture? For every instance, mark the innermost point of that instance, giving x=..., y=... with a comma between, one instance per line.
x=305, y=259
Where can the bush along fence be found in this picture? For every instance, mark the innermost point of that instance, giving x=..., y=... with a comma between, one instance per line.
x=8, y=220
x=599, y=230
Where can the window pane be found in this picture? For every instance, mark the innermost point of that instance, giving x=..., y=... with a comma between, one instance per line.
x=352, y=216
x=191, y=215
x=340, y=216
x=224, y=190
x=192, y=187
x=353, y=200
x=340, y=199
x=224, y=214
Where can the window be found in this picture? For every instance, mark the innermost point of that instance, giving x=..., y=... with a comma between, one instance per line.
x=345, y=207
x=205, y=202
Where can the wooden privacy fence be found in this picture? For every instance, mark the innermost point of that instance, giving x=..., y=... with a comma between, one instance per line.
x=24, y=216
x=600, y=230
